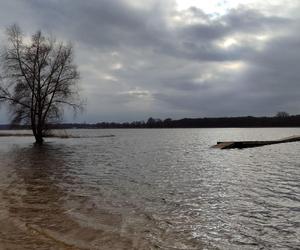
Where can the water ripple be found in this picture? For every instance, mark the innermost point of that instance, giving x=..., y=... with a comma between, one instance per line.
x=150, y=189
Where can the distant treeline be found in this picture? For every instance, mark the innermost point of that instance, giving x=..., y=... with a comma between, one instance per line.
x=224, y=122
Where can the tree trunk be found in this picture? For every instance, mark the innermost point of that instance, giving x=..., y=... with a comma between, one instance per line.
x=39, y=138
x=38, y=133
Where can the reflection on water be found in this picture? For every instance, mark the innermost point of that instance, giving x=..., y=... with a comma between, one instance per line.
x=33, y=199
x=35, y=214
x=150, y=189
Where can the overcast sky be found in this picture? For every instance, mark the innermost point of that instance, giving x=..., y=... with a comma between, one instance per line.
x=168, y=58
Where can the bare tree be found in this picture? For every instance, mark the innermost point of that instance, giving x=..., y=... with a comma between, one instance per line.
x=38, y=78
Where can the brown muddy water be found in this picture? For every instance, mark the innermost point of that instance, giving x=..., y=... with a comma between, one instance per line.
x=150, y=189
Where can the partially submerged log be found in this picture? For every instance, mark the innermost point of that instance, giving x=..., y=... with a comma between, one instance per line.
x=251, y=144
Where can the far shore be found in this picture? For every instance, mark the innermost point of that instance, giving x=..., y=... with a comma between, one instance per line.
x=61, y=136
x=209, y=122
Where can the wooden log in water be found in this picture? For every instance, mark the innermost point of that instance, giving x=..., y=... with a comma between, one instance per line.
x=251, y=144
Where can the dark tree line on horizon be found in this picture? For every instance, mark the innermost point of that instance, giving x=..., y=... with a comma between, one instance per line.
x=281, y=119
x=226, y=122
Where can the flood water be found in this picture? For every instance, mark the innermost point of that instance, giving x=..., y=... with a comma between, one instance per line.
x=150, y=189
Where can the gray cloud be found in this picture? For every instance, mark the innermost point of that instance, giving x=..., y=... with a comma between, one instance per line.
x=149, y=59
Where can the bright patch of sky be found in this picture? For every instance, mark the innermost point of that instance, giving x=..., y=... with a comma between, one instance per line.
x=212, y=6
x=221, y=7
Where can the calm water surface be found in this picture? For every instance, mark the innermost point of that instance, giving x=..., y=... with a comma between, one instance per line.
x=150, y=189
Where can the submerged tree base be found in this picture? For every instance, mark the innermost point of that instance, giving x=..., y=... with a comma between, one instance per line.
x=39, y=141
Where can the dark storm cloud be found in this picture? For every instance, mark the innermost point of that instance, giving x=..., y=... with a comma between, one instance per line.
x=240, y=20
x=199, y=39
x=102, y=23
x=250, y=20
x=115, y=24
x=140, y=59
x=275, y=74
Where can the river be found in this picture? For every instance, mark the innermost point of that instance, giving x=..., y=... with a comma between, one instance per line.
x=150, y=189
